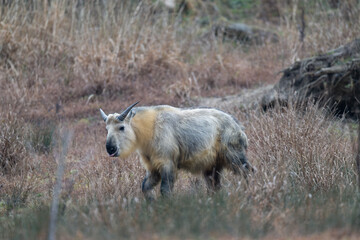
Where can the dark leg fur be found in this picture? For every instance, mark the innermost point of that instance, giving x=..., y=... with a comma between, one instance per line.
x=150, y=181
x=167, y=181
x=212, y=179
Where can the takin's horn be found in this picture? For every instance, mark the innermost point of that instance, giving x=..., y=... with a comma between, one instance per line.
x=125, y=113
x=103, y=115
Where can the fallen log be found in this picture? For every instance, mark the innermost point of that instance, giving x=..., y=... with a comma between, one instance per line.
x=332, y=78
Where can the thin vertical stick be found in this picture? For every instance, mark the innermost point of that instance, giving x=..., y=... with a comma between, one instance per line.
x=358, y=154
x=65, y=139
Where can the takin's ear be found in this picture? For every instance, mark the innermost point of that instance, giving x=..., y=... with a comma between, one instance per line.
x=130, y=115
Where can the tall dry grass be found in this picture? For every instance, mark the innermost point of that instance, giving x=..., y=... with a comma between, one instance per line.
x=59, y=62
x=305, y=183
x=299, y=152
x=71, y=51
x=54, y=54
x=20, y=168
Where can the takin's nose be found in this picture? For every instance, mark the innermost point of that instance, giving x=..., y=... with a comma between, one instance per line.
x=111, y=149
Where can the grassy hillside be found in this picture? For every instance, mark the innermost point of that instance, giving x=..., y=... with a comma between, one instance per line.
x=62, y=60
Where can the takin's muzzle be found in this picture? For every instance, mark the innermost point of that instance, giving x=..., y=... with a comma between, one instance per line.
x=111, y=149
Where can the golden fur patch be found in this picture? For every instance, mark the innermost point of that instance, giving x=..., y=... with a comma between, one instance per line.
x=143, y=124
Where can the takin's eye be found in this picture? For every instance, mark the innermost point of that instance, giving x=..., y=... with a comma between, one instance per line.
x=121, y=128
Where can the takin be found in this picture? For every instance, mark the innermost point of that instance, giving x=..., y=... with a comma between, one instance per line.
x=200, y=140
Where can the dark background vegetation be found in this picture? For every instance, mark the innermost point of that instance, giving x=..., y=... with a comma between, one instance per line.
x=60, y=61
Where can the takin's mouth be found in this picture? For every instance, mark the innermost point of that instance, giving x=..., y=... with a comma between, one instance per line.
x=115, y=154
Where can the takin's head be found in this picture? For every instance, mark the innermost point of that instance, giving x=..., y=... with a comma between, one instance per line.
x=121, y=139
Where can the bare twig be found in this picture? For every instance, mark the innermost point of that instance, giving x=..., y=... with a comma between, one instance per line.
x=357, y=158
x=302, y=25
x=65, y=139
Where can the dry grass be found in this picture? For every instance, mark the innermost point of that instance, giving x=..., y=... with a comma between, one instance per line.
x=60, y=62
x=13, y=152
x=64, y=55
x=66, y=59
x=305, y=183
x=314, y=152
x=19, y=171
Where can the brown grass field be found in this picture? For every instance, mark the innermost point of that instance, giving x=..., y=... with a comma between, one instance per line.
x=60, y=61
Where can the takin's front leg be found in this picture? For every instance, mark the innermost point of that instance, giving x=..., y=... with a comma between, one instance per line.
x=168, y=176
x=150, y=181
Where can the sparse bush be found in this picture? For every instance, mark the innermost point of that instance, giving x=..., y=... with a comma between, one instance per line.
x=299, y=149
x=16, y=180
x=13, y=151
x=41, y=136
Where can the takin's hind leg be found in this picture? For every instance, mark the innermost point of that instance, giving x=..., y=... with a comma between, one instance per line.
x=150, y=181
x=212, y=178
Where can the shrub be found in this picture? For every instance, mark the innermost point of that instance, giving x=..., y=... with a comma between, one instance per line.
x=41, y=137
x=13, y=151
x=299, y=151
x=16, y=177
